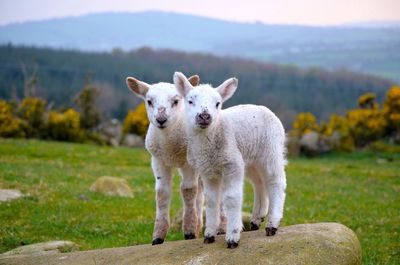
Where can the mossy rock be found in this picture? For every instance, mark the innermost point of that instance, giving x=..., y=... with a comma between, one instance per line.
x=112, y=186
x=44, y=248
x=322, y=243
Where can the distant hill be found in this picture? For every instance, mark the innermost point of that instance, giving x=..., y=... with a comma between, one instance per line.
x=287, y=90
x=370, y=48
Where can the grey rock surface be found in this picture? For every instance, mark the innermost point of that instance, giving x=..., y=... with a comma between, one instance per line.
x=321, y=243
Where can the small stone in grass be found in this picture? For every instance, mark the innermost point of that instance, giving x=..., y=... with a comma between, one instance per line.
x=8, y=195
x=112, y=186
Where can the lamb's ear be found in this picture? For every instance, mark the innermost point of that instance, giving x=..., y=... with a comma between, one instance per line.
x=227, y=88
x=182, y=83
x=138, y=87
x=194, y=80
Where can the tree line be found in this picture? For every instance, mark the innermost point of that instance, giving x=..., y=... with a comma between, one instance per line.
x=58, y=75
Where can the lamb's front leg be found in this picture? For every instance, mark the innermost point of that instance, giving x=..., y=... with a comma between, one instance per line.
x=189, y=190
x=232, y=202
x=212, y=193
x=162, y=175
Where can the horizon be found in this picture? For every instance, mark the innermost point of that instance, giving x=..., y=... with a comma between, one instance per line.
x=307, y=13
x=207, y=17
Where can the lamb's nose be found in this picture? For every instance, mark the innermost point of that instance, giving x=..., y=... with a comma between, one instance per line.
x=204, y=116
x=161, y=120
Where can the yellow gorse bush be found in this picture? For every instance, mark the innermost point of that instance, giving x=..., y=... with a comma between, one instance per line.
x=358, y=127
x=136, y=121
x=64, y=126
x=32, y=111
x=366, y=125
x=367, y=101
x=304, y=123
x=10, y=126
x=391, y=109
x=339, y=133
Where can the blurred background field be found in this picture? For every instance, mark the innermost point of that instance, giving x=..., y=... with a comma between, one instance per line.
x=360, y=190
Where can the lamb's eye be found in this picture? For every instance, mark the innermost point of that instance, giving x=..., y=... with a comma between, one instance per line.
x=190, y=102
x=149, y=102
x=175, y=102
x=217, y=105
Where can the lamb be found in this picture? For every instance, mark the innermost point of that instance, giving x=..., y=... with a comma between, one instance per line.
x=224, y=145
x=166, y=141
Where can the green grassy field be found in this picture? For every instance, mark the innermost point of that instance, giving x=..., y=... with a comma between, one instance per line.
x=353, y=189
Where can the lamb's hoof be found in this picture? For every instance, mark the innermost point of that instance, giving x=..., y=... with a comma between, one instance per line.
x=209, y=239
x=253, y=226
x=190, y=236
x=157, y=241
x=232, y=244
x=271, y=231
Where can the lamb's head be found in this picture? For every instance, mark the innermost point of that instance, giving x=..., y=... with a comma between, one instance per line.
x=164, y=104
x=203, y=103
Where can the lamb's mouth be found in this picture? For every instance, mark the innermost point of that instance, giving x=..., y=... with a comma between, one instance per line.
x=203, y=124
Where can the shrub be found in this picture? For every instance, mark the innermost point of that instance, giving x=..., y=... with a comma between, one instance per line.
x=10, y=126
x=136, y=121
x=391, y=110
x=65, y=126
x=367, y=124
x=86, y=100
x=339, y=134
x=367, y=101
x=32, y=111
x=304, y=123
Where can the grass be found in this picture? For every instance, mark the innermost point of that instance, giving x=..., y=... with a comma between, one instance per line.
x=360, y=190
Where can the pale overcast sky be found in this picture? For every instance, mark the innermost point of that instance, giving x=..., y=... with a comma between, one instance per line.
x=308, y=12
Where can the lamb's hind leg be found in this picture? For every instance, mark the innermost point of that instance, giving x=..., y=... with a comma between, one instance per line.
x=199, y=205
x=162, y=175
x=189, y=190
x=260, y=197
x=276, y=185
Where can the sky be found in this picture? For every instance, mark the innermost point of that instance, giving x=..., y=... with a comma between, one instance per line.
x=305, y=12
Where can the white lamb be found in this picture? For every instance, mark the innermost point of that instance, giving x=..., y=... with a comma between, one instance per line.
x=226, y=144
x=167, y=143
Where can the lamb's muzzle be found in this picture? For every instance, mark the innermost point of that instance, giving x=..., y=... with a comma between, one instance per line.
x=161, y=121
x=203, y=119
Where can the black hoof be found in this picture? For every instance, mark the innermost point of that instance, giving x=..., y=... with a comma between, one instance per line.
x=253, y=226
x=190, y=236
x=157, y=241
x=232, y=244
x=271, y=231
x=208, y=240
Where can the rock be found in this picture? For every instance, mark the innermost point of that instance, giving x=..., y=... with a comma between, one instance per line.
x=8, y=195
x=312, y=144
x=132, y=140
x=112, y=131
x=83, y=197
x=112, y=186
x=322, y=243
x=381, y=161
x=50, y=247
